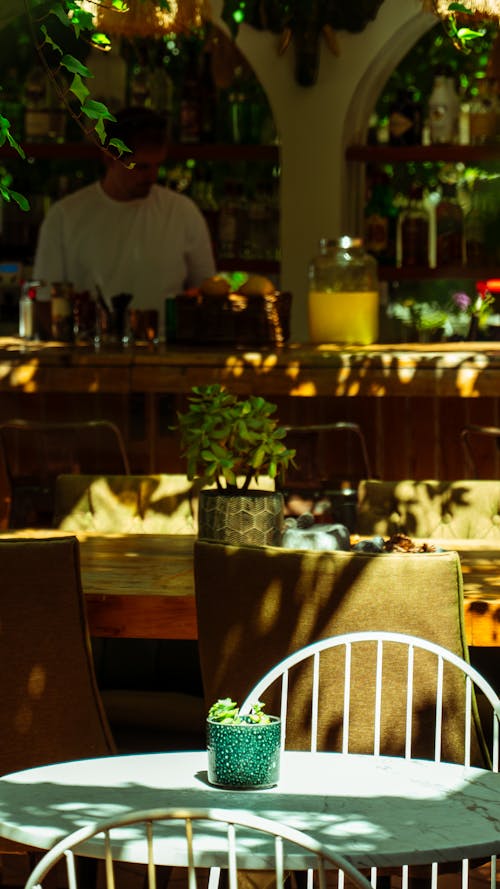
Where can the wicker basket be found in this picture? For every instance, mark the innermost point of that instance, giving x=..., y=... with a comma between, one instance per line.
x=233, y=319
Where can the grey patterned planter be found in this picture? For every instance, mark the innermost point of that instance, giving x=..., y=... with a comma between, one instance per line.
x=244, y=755
x=248, y=517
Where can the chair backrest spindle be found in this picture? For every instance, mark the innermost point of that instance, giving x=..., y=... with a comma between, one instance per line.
x=378, y=698
x=315, y=703
x=347, y=698
x=409, y=700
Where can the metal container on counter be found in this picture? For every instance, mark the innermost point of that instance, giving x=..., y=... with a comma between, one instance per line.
x=27, y=310
x=343, y=294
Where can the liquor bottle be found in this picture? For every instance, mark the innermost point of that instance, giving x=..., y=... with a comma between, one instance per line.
x=380, y=221
x=229, y=234
x=208, y=100
x=475, y=228
x=36, y=115
x=482, y=114
x=44, y=117
x=11, y=106
x=412, y=246
x=190, y=104
x=444, y=108
x=405, y=119
x=108, y=84
x=450, y=242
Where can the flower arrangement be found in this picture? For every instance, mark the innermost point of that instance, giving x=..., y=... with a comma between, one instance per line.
x=474, y=311
x=460, y=317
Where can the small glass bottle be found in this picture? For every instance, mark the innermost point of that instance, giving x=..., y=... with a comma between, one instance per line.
x=405, y=119
x=380, y=221
x=482, y=114
x=412, y=247
x=343, y=293
x=450, y=242
x=444, y=110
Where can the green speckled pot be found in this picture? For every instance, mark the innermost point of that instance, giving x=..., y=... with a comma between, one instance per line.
x=245, y=756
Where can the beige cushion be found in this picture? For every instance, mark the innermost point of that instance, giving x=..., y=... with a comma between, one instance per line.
x=458, y=509
x=131, y=504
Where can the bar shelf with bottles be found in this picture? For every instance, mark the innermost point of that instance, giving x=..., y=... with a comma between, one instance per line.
x=223, y=150
x=435, y=129
x=413, y=160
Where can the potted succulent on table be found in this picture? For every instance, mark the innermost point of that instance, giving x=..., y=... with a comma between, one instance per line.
x=243, y=749
x=230, y=442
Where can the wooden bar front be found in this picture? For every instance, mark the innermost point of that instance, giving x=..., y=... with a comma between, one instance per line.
x=411, y=400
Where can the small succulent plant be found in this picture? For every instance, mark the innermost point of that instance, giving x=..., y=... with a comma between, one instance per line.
x=226, y=711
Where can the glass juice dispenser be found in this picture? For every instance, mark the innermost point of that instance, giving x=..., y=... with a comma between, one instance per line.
x=343, y=294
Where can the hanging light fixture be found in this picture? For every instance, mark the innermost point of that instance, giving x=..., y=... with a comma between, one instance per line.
x=483, y=9
x=146, y=18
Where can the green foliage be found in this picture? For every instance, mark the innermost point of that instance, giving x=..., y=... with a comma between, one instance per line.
x=430, y=55
x=223, y=438
x=227, y=712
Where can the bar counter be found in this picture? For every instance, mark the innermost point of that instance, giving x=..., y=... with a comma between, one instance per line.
x=465, y=370
x=410, y=399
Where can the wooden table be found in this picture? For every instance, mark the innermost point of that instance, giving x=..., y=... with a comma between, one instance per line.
x=142, y=585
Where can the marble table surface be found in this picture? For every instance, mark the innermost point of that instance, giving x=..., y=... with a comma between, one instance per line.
x=376, y=811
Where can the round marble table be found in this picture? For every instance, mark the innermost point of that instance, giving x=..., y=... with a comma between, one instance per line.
x=376, y=811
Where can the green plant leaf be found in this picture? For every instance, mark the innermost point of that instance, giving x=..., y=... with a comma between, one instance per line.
x=96, y=110
x=77, y=86
x=14, y=144
x=101, y=41
x=101, y=130
x=120, y=146
x=48, y=39
x=81, y=20
x=58, y=10
x=20, y=200
x=76, y=67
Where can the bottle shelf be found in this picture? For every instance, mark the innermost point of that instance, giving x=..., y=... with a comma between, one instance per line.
x=380, y=154
x=262, y=266
x=176, y=151
x=407, y=273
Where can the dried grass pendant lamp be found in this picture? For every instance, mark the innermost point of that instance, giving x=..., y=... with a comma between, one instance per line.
x=485, y=9
x=144, y=18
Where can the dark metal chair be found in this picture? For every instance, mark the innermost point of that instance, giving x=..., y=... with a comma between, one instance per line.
x=481, y=446
x=331, y=459
x=35, y=452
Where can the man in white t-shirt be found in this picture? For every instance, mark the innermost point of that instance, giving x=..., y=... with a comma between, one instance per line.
x=126, y=234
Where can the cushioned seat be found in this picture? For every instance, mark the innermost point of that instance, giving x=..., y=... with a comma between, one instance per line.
x=454, y=509
x=274, y=601
x=131, y=504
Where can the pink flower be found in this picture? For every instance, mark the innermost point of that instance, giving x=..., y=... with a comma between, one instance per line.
x=462, y=301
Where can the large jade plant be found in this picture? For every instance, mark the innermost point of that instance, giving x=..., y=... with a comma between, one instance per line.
x=230, y=441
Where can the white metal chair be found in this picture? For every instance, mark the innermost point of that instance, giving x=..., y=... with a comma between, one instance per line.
x=238, y=839
x=380, y=661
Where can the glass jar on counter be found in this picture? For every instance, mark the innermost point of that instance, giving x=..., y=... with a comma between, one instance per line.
x=343, y=293
x=61, y=311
